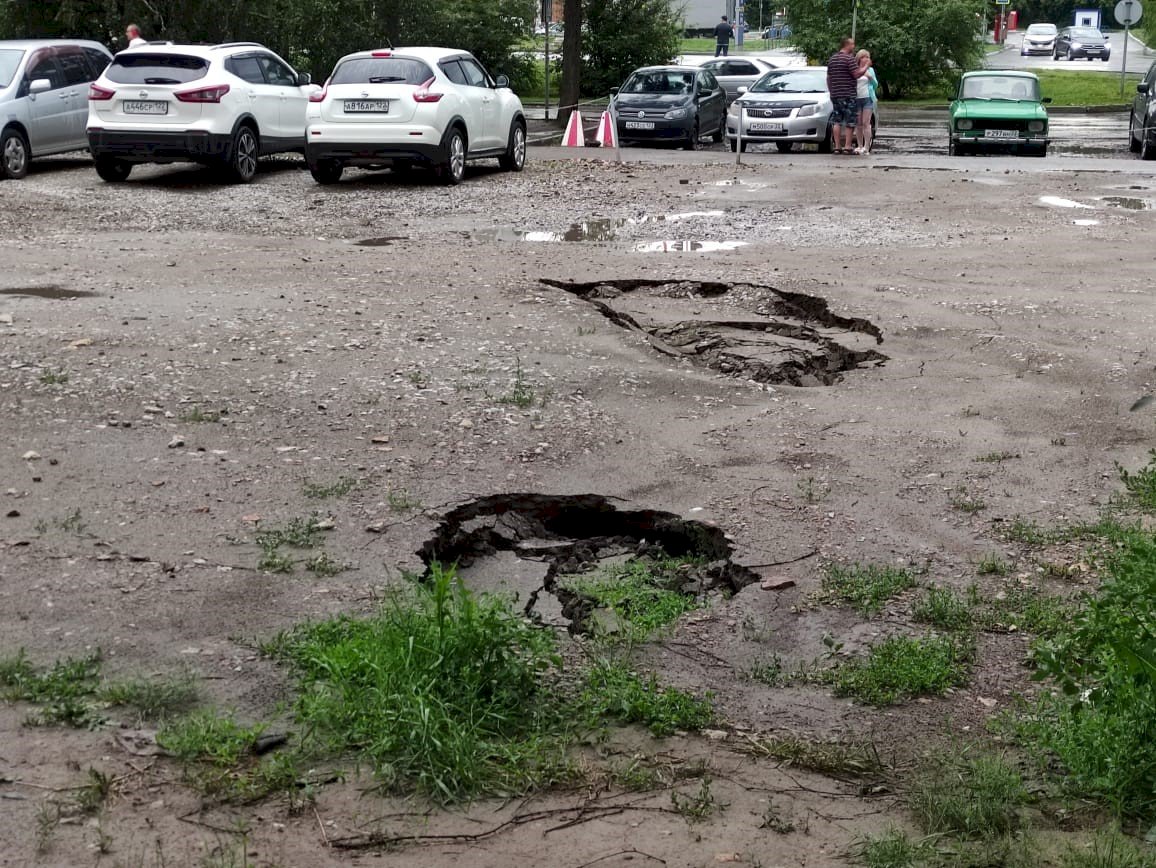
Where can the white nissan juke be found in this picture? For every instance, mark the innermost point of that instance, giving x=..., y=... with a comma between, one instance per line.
x=397, y=107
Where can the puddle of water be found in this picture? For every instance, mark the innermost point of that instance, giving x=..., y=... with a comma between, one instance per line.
x=51, y=292
x=601, y=229
x=1129, y=202
x=990, y=182
x=735, y=182
x=1061, y=202
x=1086, y=222
x=686, y=246
x=675, y=218
x=384, y=241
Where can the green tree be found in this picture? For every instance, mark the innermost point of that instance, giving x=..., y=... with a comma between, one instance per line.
x=622, y=35
x=915, y=44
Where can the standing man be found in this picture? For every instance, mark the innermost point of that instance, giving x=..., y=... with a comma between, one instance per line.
x=723, y=34
x=842, y=73
x=132, y=34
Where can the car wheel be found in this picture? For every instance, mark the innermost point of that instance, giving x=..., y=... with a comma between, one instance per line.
x=720, y=133
x=1133, y=142
x=112, y=170
x=827, y=145
x=453, y=167
x=327, y=171
x=785, y=147
x=241, y=165
x=514, y=160
x=1070, y=55
x=1147, y=148
x=950, y=146
x=1056, y=55
x=1104, y=58
x=14, y=154
x=691, y=144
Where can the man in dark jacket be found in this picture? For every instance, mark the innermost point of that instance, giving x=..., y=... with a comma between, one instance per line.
x=723, y=34
x=842, y=70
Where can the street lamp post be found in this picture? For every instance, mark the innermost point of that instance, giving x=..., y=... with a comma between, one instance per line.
x=854, y=16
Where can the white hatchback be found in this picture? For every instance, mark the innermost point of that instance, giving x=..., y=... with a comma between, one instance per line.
x=397, y=107
x=223, y=105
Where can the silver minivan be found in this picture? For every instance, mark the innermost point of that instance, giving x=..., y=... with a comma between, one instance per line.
x=44, y=98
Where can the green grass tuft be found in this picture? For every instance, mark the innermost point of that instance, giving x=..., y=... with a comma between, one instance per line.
x=969, y=797
x=866, y=588
x=208, y=736
x=1141, y=484
x=892, y=849
x=643, y=594
x=903, y=667
x=943, y=608
x=153, y=699
x=612, y=690
x=63, y=692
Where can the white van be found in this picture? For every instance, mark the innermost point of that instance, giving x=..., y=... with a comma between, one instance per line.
x=44, y=98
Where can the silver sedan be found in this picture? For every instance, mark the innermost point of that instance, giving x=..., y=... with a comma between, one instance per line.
x=735, y=72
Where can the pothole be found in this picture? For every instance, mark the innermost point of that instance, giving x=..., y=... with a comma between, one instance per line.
x=1061, y=202
x=686, y=246
x=383, y=241
x=51, y=292
x=593, y=229
x=552, y=552
x=1131, y=203
x=757, y=332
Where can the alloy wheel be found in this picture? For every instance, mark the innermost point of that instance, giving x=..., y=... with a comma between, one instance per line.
x=13, y=155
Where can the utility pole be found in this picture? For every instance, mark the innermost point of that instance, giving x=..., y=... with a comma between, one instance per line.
x=854, y=16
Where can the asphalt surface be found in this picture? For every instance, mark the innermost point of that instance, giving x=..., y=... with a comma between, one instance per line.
x=1140, y=57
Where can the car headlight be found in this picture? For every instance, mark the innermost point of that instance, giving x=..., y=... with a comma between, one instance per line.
x=675, y=114
x=1077, y=45
x=806, y=111
x=1036, y=126
x=963, y=124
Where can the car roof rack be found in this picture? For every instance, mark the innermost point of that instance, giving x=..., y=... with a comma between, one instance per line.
x=234, y=44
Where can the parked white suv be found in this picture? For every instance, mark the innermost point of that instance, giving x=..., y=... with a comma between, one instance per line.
x=223, y=105
x=395, y=107
x=43, y=85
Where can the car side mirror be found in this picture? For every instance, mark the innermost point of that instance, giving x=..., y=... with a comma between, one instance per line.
x=501, y=81
x=743, y=89
x=303, y=79
x=1142, y=87
x=39, y=85
x=1046, y=99
x=614, y=91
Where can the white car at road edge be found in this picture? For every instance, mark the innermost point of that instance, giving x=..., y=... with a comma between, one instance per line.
x=399, y=107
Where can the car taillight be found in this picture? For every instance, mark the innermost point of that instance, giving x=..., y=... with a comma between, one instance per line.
x=381, y=53
x=319, y=96
x=203, y=94
x=422, y=94
x=100, y=93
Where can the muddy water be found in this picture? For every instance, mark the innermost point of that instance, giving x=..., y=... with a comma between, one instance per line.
x=49, y=292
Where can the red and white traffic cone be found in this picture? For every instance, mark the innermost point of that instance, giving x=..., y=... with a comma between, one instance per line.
x=573, y=137
x=607, y=135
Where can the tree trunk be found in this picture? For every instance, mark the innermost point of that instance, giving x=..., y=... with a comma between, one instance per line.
x=571, y=59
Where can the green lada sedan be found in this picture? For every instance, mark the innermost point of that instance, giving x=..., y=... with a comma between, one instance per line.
x=998, y=110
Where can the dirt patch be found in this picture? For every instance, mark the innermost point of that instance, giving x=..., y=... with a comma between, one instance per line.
x=50, y=292
x=768, y=335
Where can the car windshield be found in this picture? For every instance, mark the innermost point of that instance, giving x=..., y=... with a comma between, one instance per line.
x=1000, y=87
x=669, y=81
x=380, y=70
x=156, y=68
x=1041, y=30
x=1086, y=33
x=9, y=61
x=798, y=81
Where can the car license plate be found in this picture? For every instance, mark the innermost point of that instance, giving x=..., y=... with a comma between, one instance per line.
x=639, y=125
x=378, y=106
x=766, y=128
x=1001, y=134
x=145, y=107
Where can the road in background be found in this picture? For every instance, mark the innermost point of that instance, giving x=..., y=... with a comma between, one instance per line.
x=1140, y=57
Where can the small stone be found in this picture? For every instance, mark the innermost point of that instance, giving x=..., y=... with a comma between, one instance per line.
x=377, y=527
x=465, y=423
x=325, y=524
x=31, y=456
x=177, y=442
x=12, y=513
x=5, y=318
x=81, y=342
x=777, y=584
x=987, y=703
x=251, y=519
x=716, y=734
x=379, y=439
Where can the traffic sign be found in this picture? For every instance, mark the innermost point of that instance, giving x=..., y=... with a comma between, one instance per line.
x=1128, y=12
x=1002, y=2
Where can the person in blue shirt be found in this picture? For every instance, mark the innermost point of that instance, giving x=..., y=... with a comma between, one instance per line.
x=723, y=34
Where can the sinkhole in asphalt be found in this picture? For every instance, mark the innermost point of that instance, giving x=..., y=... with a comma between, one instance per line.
x=50, y=292
x=1130, y=203
x=538, y=547
x=748, y=330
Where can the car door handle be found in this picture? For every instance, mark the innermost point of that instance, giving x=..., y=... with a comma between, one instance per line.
x=66, y=96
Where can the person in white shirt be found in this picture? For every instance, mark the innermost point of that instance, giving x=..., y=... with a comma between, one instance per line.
x=132, y=34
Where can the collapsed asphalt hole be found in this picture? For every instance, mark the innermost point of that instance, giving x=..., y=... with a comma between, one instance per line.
x=537, y=545
x=1130, y=203
x=383, y=241
x=757, y=332
x=50, y=291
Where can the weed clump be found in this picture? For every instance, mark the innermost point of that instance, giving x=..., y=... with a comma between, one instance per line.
x=642, y=594
x=903, y=667
x=968, y=797
x=866, y=588
x=441, y=690
x=613, y=690
x=943, y=608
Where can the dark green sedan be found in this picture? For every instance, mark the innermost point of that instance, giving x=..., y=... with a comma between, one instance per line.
x=998, y=110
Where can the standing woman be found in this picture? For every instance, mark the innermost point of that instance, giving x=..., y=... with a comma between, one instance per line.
x=865, y=86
